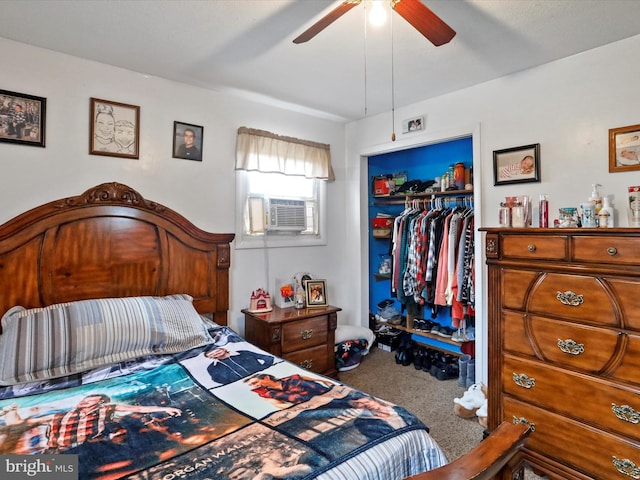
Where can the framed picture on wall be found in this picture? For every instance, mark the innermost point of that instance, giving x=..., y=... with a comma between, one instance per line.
x=316, y=293
x=22, y=118
x=624, y=149
x=516, y=165
x=114, y=129
x=187, y=141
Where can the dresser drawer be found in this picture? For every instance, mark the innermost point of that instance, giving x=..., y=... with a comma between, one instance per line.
x=304, y=333
x=314, y=359
x=516, y=285
x=586, y=398
x=610, y=250
x=596, y=453
x=540, y=247
x=582, y=298
x=588, y=348
x=628, y=291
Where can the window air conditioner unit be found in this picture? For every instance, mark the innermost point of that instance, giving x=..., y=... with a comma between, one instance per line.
x=286, y=215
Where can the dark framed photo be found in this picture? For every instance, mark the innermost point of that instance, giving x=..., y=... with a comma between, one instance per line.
x=22, y=118
x=114, y=129
x=187, y=141
x=316, y=293
x=516, y=165
x=624, y=149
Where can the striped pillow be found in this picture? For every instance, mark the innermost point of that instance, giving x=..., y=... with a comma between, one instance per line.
x=68, y=338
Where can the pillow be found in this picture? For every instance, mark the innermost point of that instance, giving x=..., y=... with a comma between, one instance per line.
x=67, y=338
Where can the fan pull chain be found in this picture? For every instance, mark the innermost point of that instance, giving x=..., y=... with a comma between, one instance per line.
x=365, y=60
x=393, y=97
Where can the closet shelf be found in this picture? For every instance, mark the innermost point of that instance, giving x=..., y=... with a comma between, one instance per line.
x=400, y=199
x=422, y=334
x=382, y=276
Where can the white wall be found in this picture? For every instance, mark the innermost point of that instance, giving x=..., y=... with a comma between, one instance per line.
x=566, y=106
x=202, y=191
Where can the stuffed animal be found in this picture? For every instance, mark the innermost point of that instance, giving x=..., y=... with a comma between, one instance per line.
x=482, y=413
x=471, y=401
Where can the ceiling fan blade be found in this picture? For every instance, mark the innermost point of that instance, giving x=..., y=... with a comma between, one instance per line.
x=327, y=20
x=425, y=21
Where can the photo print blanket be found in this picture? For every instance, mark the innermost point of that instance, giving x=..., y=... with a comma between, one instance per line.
x=225, y=410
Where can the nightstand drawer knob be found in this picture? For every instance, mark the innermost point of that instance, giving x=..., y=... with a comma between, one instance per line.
x=570, y=298
x=306, y=334
x=612, y=251
x=306, y=364
x=523, y=380
x=570, y=346
x=626, y=413
x=531, y=248
x=626, y=467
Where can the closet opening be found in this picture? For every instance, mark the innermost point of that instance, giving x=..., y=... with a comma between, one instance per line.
x=414, y=277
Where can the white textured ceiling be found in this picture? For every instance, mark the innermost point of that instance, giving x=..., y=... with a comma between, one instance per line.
x=245, y=46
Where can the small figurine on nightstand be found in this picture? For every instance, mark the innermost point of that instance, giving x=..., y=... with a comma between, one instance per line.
x=260, y=301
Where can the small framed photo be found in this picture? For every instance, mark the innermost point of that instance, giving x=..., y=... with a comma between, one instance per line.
x=187, y=141
x=114, y=129
x=624, y=149
x=22, y=118
x=516, y=165
x=413, y=125
x=316, y=293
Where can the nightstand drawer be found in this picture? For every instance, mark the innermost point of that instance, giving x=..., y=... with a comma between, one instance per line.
x=304, y=333
x=314, y=359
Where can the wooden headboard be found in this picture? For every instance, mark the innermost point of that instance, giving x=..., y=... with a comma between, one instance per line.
x=111, y=242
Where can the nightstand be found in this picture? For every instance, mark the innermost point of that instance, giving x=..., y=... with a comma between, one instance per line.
x=305, y=337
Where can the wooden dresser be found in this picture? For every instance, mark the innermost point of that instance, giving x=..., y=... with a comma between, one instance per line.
x=564, y=346
x=305, y=337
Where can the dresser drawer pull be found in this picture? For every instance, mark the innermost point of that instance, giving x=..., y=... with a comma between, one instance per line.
x=571, y=347
x=531, y=248
x=612, y=251
x=570, y=298
x=626, y=467
x=306, y=364
x=517, y=420
x=523, y=380
x=306, y=334
x=626, y=413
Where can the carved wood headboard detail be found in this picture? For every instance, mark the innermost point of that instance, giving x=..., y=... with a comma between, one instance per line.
x=111, y=242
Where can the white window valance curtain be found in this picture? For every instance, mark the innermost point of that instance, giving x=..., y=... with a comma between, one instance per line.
x=266, y=152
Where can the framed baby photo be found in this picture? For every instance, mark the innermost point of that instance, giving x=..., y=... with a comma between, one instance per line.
x=316, y=293
x=22, y=118
x=624, y=149
x=187, y=141
x=516, y=165
x=114, y=129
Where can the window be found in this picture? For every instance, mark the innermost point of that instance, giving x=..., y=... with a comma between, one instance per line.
x=280, y=185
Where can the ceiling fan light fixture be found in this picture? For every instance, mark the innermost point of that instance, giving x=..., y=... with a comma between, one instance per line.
x=378, y=14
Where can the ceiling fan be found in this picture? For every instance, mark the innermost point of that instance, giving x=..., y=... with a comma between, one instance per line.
x=413, y=11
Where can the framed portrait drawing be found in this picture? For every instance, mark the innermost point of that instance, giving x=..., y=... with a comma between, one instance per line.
x=516, y=165
x=316, y=293
x=22, y=118
x=187, y=141
x=114, y=129
x=624, y=149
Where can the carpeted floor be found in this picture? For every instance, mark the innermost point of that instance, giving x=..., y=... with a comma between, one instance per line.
x=429, y=399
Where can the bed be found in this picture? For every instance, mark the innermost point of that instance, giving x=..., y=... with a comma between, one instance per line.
x=115, y=348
